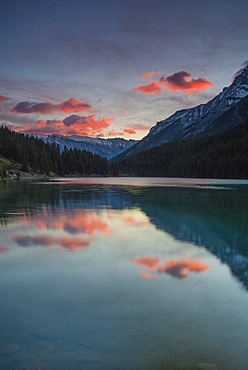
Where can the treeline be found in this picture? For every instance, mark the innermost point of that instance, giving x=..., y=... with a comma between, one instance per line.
x=222, y=155
x=34, y=154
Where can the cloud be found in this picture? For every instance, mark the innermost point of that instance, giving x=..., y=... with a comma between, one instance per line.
x=182, y=81
x=147, y=275
x=69, y=243
x=153, y=87
x=72, y=125
x=3, y=98
x=150, y=74
x=27, y=241
x=181, y=268
x=130, y=131
x=73, y=222
x=149, y=262
x=71, y=105
x=115, y=133
x=121, y=78
x=73, y=243
x=74, y=105
x=175, y=268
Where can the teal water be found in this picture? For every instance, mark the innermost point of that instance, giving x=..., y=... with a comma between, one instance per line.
x=124, y=273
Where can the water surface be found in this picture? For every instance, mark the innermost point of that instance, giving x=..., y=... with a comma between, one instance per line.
x=124, y=273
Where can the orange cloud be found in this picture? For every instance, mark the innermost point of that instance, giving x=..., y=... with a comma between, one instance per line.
x=182, y=268
x=150, y=74
x=182, y=81
x=78, y=221
x=130, y=131
x=176, y=268
x=149, y=262
x=72, y=125
x=147, y=275
x=152, y=87
x=73, y=243
x=71, y=105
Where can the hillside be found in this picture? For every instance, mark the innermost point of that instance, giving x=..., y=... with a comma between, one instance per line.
x=223, y=155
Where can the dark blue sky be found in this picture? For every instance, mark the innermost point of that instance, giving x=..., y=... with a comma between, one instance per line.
x=78, y=65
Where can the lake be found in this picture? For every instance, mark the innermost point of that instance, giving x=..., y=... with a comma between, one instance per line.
x=124, y=273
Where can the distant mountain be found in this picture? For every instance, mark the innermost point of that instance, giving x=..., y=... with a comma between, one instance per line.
x=226, y=110
x=104, y=147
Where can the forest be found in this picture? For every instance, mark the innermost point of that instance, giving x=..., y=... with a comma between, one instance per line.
x=34, y=154
x=223, y=155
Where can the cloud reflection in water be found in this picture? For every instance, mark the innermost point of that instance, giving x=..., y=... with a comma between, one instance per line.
x=177, y=268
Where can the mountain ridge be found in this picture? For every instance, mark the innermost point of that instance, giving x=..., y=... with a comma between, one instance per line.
x=108, y=148
x=201, y=120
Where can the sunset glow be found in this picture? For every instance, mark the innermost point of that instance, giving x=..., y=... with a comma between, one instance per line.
x=127, y=65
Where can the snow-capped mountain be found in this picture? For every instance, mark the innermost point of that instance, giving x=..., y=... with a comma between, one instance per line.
x=104, y=147
x=226, y=110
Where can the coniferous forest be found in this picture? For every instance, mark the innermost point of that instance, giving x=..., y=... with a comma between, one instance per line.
x=34, y=154
x=222, y=155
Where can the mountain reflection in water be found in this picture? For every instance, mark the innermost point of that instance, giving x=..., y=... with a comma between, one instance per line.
x=148, y=274
x=211, y=216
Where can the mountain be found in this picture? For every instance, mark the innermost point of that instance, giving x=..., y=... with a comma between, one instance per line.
x=104, y=147
x=226, y=110
x=223, y=155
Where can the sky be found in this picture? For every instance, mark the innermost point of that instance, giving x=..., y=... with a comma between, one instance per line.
x=114, y=68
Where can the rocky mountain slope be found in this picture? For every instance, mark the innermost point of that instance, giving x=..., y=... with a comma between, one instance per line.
x=104, y=147
x=226, y=110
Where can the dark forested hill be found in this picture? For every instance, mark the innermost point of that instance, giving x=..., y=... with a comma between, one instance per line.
x=222, y=155
x=33, y=153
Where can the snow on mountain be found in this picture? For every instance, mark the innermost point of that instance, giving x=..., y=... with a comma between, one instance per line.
x=104, y=147
x=226, y=110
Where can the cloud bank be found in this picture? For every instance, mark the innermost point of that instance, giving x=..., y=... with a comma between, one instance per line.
x=70, y=105
x=71, y=125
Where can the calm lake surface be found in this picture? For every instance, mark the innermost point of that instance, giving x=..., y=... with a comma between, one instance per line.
x=124, y=273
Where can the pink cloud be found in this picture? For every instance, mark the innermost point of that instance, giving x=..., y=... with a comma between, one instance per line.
x=72, y=125
x=176, y=268
x=73, y=243
x=150, y=74
x=130, y=131
x=149, y=262
x=182, y=268
x=182, y=81
x=152, y=87
x=71, y=105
